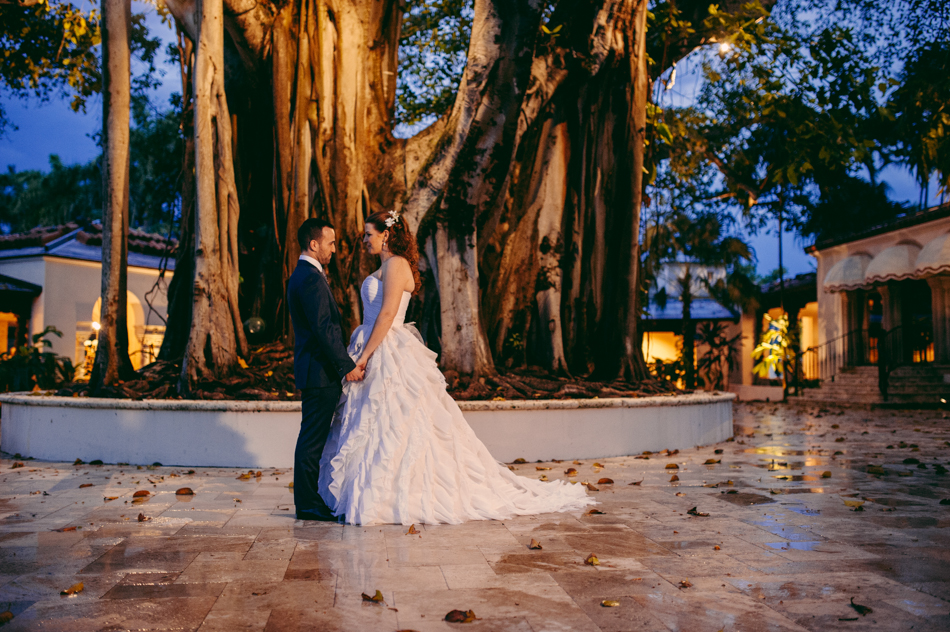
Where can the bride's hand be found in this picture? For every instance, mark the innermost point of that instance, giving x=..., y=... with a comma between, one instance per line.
x=361, y=364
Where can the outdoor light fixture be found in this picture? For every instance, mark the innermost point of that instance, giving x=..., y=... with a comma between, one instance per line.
x=724, y=48
x=95, y=326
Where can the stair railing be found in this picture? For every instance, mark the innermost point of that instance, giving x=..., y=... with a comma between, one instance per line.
x=824, y=362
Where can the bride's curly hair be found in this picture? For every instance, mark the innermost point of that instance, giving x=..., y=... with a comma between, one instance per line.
x=401, y=241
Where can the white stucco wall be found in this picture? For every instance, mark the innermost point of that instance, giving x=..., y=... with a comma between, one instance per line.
x=831, y=320
x=71, y=288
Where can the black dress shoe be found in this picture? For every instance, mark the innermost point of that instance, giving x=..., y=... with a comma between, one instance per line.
x=322, y=516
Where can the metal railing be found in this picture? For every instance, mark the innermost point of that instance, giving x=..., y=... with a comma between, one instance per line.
x=887, y=350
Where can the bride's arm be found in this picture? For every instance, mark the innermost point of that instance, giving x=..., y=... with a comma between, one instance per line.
x=396, y=276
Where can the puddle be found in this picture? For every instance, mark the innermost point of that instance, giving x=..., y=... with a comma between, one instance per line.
x=794, y=546
x=894, y=502
x=745, y=499
x=777, y=451
x=805, y=490
x=805, y=511
x=688, y=544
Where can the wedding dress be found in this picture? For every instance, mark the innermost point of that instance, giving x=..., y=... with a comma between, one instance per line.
x=400, y=451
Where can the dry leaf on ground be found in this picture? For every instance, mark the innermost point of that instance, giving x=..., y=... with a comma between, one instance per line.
x=680, y=494
x=377, y=598
x=609, y=603
x=693, y=512
x=543, y=477
x=535, y=545
x=108, y=498
x=712, y=461
x=592, y=488
x=142, y=493
x=6, y=617
x=853, y=503
x=72, y=590
x=826, y=474
x=605, y=481
x=597, y=465
x=143, y=518
x=596, y=512
x=861, y=610
x=412, y=530
x=64, y=529
x=519, y=461
x=571, y=471
x=672, y=466
x=184, y=491
x=674, y=478
x=460, y=616
x=86, y=485
x=685, y=584
x=592, y=560
x=637, y=482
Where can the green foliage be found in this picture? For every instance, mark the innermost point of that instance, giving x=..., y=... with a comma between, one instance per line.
x=74, y=192
x=433, y=49
x=51, y=47
x=671, y=372
x=720, y=355
x=47, y=47
x=31, y=366
x=775, y=348
x=922, y=107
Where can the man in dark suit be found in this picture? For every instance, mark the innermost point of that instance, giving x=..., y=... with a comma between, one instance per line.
x=320, y=361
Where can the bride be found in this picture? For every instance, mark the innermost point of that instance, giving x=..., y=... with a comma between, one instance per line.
x=399, y=449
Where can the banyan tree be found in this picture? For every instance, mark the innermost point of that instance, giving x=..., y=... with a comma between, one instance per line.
x=525, y=195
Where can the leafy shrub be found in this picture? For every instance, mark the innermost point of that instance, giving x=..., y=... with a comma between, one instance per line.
x=32, y=366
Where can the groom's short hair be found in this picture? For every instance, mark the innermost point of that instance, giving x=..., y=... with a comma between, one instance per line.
x=311, y=229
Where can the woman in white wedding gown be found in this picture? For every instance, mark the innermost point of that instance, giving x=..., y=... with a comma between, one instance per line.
x=399, y=449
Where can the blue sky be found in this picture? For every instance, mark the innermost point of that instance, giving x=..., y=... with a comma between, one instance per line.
x=53, y=128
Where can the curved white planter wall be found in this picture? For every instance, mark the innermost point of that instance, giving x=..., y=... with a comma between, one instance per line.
x=263, y=434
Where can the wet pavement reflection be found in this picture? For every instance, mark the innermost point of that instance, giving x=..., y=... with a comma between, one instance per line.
x=805, y=510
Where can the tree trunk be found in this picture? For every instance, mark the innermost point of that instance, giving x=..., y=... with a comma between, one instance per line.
x=216, y=336
x=180, y=297
x=112, y=361
x=632, y=366
x=689, y=329
x=465, y=176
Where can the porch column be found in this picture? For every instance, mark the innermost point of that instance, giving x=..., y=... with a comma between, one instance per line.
x=940, y=305
x=892, y=304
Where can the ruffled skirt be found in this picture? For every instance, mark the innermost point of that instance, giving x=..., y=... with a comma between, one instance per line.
x=400, y=451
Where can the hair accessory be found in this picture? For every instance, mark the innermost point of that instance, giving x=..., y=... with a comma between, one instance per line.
x=393, y=218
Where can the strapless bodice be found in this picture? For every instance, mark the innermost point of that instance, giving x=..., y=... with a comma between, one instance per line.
x=372, y=294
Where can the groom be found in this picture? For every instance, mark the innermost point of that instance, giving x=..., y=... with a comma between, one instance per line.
x=320, y=361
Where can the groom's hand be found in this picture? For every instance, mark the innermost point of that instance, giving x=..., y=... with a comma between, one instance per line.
x=356, y=375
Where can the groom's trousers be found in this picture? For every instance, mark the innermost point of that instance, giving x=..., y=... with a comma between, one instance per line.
x=318, y=407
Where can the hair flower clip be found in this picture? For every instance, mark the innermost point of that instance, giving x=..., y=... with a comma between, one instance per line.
x=393, y=218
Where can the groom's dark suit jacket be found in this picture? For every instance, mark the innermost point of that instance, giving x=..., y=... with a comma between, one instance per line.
x=320, y=357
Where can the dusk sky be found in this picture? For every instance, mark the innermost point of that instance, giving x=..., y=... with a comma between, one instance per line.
x=53, y=128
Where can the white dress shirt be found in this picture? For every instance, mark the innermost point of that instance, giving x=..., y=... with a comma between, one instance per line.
x=314, y=263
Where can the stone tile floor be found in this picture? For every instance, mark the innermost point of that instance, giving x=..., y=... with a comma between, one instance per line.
x=781, y=549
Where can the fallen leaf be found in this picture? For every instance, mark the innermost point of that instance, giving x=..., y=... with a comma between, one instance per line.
x=577, y=462
x=607, y=603
x=861, y=610
x=680, y=494
x=143, y=518
x=377, y=598
x=86, y=485
x=412, y=530
x=693, y=512
x=826, y=474
x=672, y=466
x=72, y=590
x=459, y=616
x=78, y=462
x=571, y=471
x=592, y=560
x=719, y=451
x=6, y=617
x=515, y=461
x=245, y=477
x=876, y=469
x=605, y=481
x=592, y=488
x=674, y=478
x=108, y=498
x=712, y=461
x=184, y=491
x=637, y=482
x=716, y=548
x=853, y=503
x=597, y=465
x=685, y=584
x=142, y=493
x=541, y=469
x=596, y=512
x=15, y=465
x=64, y=529
x=535, y=545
